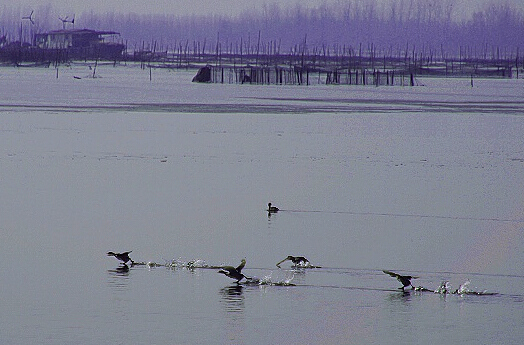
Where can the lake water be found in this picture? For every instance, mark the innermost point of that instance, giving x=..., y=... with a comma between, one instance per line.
x=424, y=181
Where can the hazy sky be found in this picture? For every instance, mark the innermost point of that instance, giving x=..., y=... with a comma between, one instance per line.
x=462, y=8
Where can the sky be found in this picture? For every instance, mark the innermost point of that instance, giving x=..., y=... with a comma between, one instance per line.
x=462, y=8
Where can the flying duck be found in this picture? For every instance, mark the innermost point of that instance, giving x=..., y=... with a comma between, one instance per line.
x=297, y=260
x=232, y=272
x=404, y=280
x=124, y=257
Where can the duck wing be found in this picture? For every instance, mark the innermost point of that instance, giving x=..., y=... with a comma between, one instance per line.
x=393, y=274
x=241, y=266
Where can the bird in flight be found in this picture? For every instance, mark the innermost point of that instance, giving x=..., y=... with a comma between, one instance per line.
x=297, y=260
x=124, y=257
x=234, y=272
x=404, y=280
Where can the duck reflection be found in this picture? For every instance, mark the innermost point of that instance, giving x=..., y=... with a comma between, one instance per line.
x=120, y=270
x=401, y=296
x=119, y=278
x=233, y=298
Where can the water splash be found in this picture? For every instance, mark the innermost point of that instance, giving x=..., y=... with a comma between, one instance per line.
x=445, y=289
x=268, y=280
x=303, y=265
x=192, y=264
x=252, y=281
x=198, y=263
x=463, y=288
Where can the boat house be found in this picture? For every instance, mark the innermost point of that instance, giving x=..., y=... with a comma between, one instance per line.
x=81, y=43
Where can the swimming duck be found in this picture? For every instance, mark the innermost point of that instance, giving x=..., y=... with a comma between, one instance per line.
x=297, y=260
x=234, y=272
x=404, y=280
x=122, y=256
x=272, y=209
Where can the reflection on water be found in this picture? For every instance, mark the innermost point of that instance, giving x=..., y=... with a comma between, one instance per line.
x=233, y=298
x=401, y=296
x=118, y=278
x=118, y=281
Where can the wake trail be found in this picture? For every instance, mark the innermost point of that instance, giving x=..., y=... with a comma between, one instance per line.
x=411, y=215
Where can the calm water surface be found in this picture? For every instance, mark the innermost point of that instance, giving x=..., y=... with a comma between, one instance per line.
x=426, y=181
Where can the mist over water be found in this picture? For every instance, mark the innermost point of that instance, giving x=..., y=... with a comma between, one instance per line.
x=423, y=181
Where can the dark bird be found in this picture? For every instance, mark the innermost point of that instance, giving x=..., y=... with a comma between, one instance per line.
x=232, y=272
x=124, y=257
x=297, y=260
x=272, y=209
x=404, y=280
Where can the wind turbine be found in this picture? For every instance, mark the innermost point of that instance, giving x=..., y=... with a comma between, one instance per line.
x=67, y=20
x=30, y=17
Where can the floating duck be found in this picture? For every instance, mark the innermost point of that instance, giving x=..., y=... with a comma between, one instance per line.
x=272, y=209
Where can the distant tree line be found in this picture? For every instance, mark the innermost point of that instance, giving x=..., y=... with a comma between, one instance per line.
x=354, y=27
